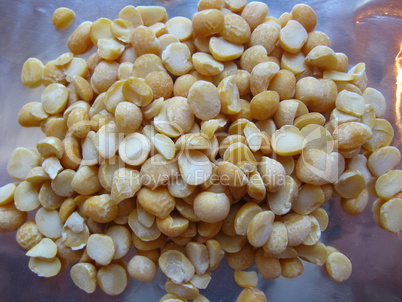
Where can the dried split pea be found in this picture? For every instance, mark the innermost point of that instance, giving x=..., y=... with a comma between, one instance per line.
x=63, y=17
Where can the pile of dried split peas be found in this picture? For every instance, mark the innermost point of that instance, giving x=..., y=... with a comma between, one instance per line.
x=195, y=139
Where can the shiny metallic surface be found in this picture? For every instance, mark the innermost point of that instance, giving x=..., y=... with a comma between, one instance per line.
x=367, y=31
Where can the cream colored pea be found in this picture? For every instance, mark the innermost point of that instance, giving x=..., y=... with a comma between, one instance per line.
x=309, y=91
x=173, y=225
x=28, y=235
x=128, y=117
x=136, y=90
x=80, y=41
x=215, y=253
x=11, y=218
x=147, y=63
x=359, y=75
x=291, y=268
x=125, y=70
x=223, y=50
x=32, y=72
x=298, y=227
x=284, y=82
x=350, y=184
x=76, y=67
x=338, y=266
x=84, y=276
x=244, y=216
x=86, y=181
x=167, y=39
x=235, y=5
x=229, y=96
x=280, y=201
x=126, y=182
x=376, y=99
x=133, y=15
x=278, y=239
x=54, y=98
x=350, y=102
x=100, y=208
x=112, y=279
x=63, y=17
x=254, y=13
x=382, y=135
x=32, y=114
x=50, y=146
x=43, y=267
x=356, y=206
x=182, y=85
x=203, y=99
x=53, y=74
x=7, y=193
x=101, y=29
x=156, y=171
x=26, y=196
x=198, y=255
x=231, y=175
x=389, y=184
x=351, y=135
x=180, y=27
x=152, y=201
x=268, y=267
x=37, y=176
x=316, y=253
x=322, y=217
x=383, y=160
x=45, y=249
x=390, y=215
x=21, y=161
x=161, y=84
x=315, y=233
x=48, y=223
x=246, y=278
x=141, y=231
x=206, y=64
x=208, y=230
x=261, y=76
x=293, y=36
x=272, y=173
x=260, y=228
x=153, y=109
x=142, y=268
x=179, y=114
x=323, y=57
x=194, y=166
x=152, y=14
x=122, y=30
x=310, y=197
x=252, y=56
x=288, y=141
x=211, y=207
x=314, y=39
x=134, y=149
x=104, y=75
x=266, y=35
x=317, y=167
x=236, y=30
x=207, y=22
x=176, y=266
x=251, y=294
x=101, y=248
x=183, y=290
x=294, y=62
x=305, y=15
x=170, y=61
